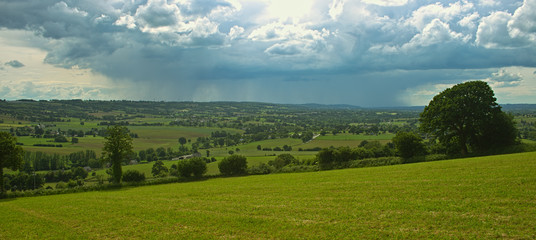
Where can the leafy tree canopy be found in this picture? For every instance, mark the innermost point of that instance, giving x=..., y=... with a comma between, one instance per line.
x=233, y=165
x=408, y=144
x=11, y=156
x=117, y=147
x=468, y=117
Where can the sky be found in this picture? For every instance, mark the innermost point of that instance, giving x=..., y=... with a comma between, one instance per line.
x=370, y=53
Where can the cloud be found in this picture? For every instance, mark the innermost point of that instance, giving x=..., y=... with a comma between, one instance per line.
x=14, y=64
x=426, y=14
x=336, y=9
x=503, y=30
x=290, y=39
x=434, y=33
x=249, y=49
x=523, y=22
x=387, y=2
x=502, y=78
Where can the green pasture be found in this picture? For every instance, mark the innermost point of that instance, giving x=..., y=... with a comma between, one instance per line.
x=475, y=198
x=250, y=149
x=355, y=137
x=345, y=139
x=149, y=137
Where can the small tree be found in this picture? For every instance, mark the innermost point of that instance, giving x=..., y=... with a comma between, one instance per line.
x=233, y=165
x=182, y=141
x=408, y=144
x=80, y=172
x=159, y=169
x=117, y=147
x=11, y=156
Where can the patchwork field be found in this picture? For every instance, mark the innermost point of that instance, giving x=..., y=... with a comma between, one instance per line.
x=475, y=198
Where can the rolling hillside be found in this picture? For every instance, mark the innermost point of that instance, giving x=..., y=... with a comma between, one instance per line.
x=487, y=197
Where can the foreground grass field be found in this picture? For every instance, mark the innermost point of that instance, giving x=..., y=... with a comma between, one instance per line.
x=475, y=198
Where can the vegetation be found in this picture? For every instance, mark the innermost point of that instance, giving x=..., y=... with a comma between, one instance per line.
x=409, y=144
x=117, y=148
x=475, y=198
x=233, y=165
x=195, y=167
x=467, y=115
x=275, y=138
x=10, y=156
x=159, y=169
x=133, y=176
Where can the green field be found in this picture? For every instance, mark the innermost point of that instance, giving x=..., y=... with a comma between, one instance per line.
x=475, y=198
x=346, y=140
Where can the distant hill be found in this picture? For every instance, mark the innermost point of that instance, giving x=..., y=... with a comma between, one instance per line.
x=519, y=107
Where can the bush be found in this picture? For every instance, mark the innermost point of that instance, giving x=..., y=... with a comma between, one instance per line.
x=80, y=173
x=409, y=144
x=375, y=162
x=75, y=183
x=233, y=165
x=192, y=167
x=133, y=176
x=262, y=168
x=282, y=160
x=60, y=138
x=61, y=185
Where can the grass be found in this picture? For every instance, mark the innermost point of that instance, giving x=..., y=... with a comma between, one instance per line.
x=475, y=198
x=149, y=137
x=345, y=139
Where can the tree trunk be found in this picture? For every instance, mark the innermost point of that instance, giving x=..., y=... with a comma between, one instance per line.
x=117, y=171
x=2, y=186
x=463, y=144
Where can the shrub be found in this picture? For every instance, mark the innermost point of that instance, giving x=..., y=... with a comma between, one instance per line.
x=262, y=168
x=80, y=173
x=133, y=176
x=282, y=160
x=60, y=138
x=61, y=185
x=409, y=144
x=233, y=165
x=192, y=167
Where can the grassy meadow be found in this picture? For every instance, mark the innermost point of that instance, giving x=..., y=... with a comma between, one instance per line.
x=474, y=198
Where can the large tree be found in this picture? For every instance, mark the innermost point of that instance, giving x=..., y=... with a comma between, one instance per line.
x=117, y=147
x=467, y=116
x=11, y=156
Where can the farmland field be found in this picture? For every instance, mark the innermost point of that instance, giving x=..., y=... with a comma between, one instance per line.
x=474, y=198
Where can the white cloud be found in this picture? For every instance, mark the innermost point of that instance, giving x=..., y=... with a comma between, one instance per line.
x=424, y=15
x=523, y=22
x=470, y=21
x=493, y=31
x=290, y=39
x=488, y=2
x=126, y=20
x=336, y=9
x=389, y=3
x=434, y=33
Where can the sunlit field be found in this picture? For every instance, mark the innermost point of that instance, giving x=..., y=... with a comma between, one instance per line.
x=475, y=198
